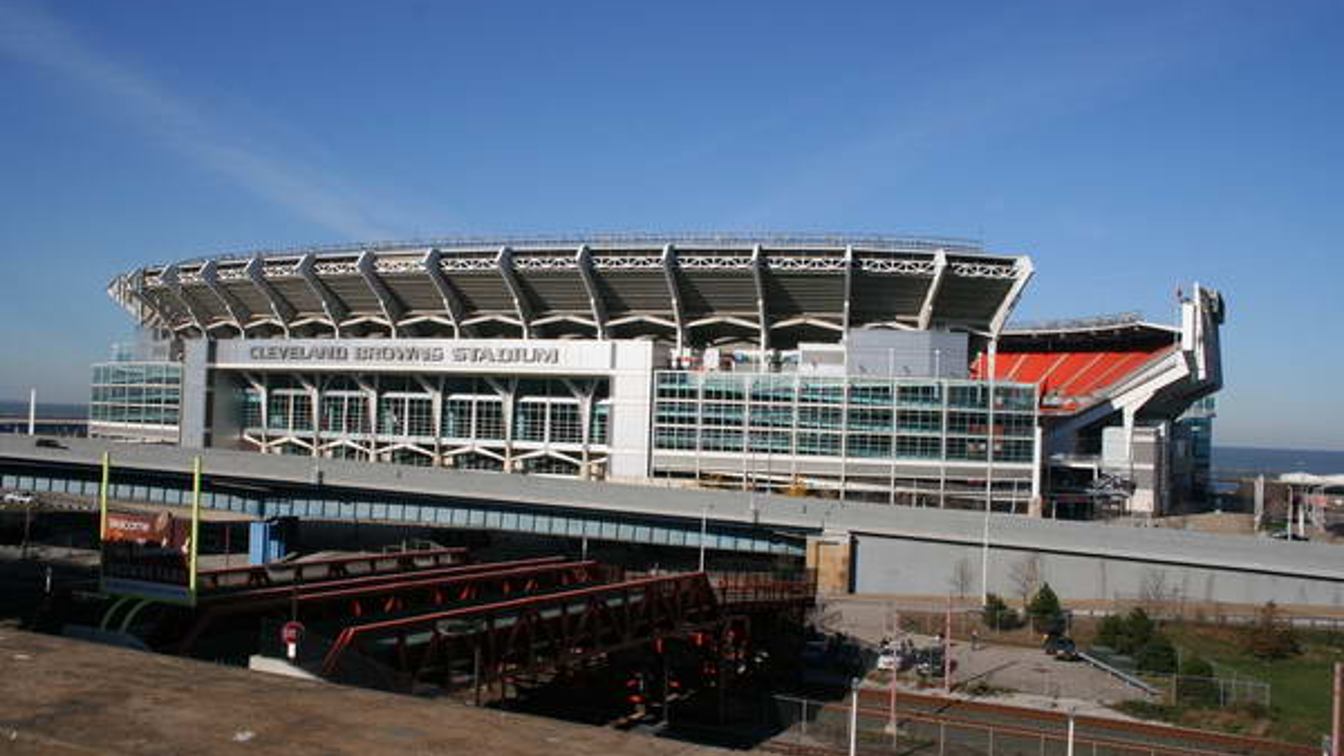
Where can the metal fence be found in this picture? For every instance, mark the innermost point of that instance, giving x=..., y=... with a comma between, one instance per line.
x=825, y=727
x=1227, y=687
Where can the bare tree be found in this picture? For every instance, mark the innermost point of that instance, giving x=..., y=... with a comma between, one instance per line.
x=1025, y=575
x=1154, y=592
x=962, y=578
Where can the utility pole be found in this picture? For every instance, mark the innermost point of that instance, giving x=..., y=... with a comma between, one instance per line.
x=32, y=411
x=1337, y=720
x=1070, y=745
x=984, y=561
x=895, y=634
x=854, y=718
x=704, y=529
x=947, y=648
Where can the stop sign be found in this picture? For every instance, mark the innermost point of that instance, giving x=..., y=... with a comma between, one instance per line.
x=291, y=631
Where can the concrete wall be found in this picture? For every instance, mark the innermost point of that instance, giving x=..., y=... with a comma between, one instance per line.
x=195, y=397
x=631, y=400
x=907, y=566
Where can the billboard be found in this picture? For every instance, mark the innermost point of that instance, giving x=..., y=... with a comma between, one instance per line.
x=150, y=554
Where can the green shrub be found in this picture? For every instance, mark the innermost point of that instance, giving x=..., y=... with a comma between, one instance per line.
x=1127, y=634
x=1197, y=686
x=1272, y=637
x=1140, y=630
x=1157, y=655
x=1045, y=612
x=998, y=615
x=1111, y=632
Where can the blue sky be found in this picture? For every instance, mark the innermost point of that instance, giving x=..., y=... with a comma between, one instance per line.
x=1129, y=148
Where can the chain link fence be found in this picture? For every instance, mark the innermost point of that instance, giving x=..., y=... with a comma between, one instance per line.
x=1227, y=687
x=811, y=726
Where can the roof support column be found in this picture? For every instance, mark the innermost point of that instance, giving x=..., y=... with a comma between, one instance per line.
x=504, y=261
x=1024, y=271
x=758, y=278
x=926, y=310
x=669, y=260
x=280, y=307
x=584, y=258
x=849, y=293
x=170, y=280
x=452, y=304
x=391, y=307
x=237, y=310
x=334, y=308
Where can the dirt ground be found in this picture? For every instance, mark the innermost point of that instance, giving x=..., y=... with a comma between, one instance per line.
x=66, y=697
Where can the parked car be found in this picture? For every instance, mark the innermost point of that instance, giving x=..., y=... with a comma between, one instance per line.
x=19, y=497
x=929, y=661
x=1061, y=647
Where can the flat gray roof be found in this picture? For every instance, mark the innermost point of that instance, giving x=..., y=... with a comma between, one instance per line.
x=804, y=515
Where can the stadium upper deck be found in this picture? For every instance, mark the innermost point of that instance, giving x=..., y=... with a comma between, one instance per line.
x=772, y=291
x=878, y=367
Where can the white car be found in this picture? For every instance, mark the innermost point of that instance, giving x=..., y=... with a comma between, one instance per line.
x=19, y=497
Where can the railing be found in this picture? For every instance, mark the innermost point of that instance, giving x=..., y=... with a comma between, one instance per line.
x=1118, y=673
x=832, y=239
x=831, y=727
x=735, y=589
x=327, y=569
x=1078, y=324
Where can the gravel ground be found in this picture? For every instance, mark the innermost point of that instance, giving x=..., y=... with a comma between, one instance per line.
x=66, y=697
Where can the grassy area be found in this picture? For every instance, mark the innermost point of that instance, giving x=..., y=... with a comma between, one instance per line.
x=1300, y=685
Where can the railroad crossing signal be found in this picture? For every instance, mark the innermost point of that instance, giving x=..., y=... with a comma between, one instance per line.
x=290, y=633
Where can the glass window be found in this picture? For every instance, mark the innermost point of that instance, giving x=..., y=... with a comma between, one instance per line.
x=918, y=447
x=870, y=393
x=968, y=395
x=772, y=415
x=302, y=409
x=820, y=390
x=723, y=414
x=251, y=408
x=972, y=449
x=928, y=421
x=675, y=438
x=489, y=419
x=870, y=419
x=721, y=439
x=277, y=411
x=819, y=444
x=820, y=418
x=967, y=423
x=769, y=442
x=601, y=417
x=919, y=394
x=676, y=413
x=766, y=388
x=457, y=418
x=529, y=422
x=869, y=445
x=419, y=416
x=565, y=425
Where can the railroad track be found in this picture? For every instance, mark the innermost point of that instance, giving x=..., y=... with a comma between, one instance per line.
x=1104, y=731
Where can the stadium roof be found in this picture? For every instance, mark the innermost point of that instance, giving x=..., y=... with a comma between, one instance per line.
x=691, y=289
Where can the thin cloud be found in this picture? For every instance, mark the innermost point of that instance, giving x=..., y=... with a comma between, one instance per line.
x=33, y=36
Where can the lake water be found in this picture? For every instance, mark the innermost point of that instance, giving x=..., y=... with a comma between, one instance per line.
x=1252, y=459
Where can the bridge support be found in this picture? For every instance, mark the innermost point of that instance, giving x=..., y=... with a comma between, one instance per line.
x=831, y=556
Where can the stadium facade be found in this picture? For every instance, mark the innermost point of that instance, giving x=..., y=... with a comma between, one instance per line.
x=874, y=368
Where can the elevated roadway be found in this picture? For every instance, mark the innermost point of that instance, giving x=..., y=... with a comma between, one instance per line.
x=894, y=549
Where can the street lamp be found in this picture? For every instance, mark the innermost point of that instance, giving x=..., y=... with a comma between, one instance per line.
x=704, y=530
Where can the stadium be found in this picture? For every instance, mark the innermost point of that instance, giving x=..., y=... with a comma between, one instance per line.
x=870, y=368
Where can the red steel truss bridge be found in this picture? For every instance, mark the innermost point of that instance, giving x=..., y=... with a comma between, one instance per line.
x=428, y=620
